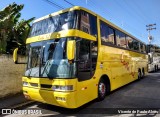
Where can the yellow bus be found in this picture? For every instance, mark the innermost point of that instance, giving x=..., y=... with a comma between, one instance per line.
x=75, y=56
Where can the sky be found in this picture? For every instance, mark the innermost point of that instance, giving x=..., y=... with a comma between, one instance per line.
x=130, y=15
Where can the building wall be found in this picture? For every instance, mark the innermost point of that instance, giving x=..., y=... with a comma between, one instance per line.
x=10, y=76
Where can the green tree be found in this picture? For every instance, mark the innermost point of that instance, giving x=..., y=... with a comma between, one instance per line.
x=13, y=31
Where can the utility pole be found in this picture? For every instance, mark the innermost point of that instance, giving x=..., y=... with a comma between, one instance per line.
x=149, y=28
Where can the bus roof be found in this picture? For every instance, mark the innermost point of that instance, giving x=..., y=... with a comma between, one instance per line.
x=91, y=12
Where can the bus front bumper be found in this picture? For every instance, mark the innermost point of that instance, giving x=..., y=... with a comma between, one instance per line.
x=63, y=99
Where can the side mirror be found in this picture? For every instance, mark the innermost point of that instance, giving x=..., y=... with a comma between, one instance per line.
x=18, y=59
x=15, y=57
x=71, y=49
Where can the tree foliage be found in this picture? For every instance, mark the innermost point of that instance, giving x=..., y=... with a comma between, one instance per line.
x=13, y=31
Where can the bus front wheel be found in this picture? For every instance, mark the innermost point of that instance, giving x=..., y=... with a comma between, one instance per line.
x=102, y=89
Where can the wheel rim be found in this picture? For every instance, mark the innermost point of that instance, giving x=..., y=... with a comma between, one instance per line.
x=102, y=89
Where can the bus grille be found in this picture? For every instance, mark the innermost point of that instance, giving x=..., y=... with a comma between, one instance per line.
x=45, y=86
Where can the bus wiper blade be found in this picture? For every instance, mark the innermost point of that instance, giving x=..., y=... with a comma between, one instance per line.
x=45, y=69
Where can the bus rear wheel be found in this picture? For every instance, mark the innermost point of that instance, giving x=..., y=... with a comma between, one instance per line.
x=102, y=90
x=143, y=73
x=139, y=74
x=155, y=68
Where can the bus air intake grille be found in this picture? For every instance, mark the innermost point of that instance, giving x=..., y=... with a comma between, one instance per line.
x=45, y=86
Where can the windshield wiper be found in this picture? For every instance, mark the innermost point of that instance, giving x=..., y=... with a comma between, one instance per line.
x=45, y=69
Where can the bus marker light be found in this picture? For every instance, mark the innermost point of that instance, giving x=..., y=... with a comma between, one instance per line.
x=84, y=88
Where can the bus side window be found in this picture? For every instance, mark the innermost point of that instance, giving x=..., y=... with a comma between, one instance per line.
x=84, y=24
x=107, y=34
x=141, y=47
x=120, y=39
x=135, y=45
x=88, y=23
x=129, y=42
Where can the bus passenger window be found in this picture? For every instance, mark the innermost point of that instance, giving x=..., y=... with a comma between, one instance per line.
x=129, y=42
x=135, y=45
x=120, y=39
x=88, y=23
x=142, y=48
x=107, y=34
x=85, y=24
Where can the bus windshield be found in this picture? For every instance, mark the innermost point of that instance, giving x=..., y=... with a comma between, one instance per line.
x=64, y=21
x=48, y=59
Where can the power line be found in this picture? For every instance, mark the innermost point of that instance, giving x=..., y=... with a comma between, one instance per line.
x=69, y=3
x=103, y=10
x=142, y=11
x=137, y=13
x=52, y=3
x=129, y=14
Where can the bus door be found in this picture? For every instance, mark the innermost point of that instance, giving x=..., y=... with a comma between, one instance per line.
x=86, y=65
x=87, y=58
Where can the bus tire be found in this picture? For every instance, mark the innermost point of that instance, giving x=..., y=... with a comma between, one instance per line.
x=102, y=89
x=155, y=68
x=139, y=74
x=143, y=73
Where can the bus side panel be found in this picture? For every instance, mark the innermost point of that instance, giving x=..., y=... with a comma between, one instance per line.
x=123, y=65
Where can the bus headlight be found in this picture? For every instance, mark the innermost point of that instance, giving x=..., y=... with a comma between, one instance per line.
x=63, y=88
x=25, y=83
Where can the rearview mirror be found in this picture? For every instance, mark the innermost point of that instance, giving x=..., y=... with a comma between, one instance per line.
x=15, y=57
x=71, y=50
x=18, y=59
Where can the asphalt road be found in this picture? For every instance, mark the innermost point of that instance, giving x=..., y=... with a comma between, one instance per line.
x=143, y=95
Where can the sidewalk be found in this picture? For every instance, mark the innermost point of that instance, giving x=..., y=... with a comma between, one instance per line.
x=12, y=101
